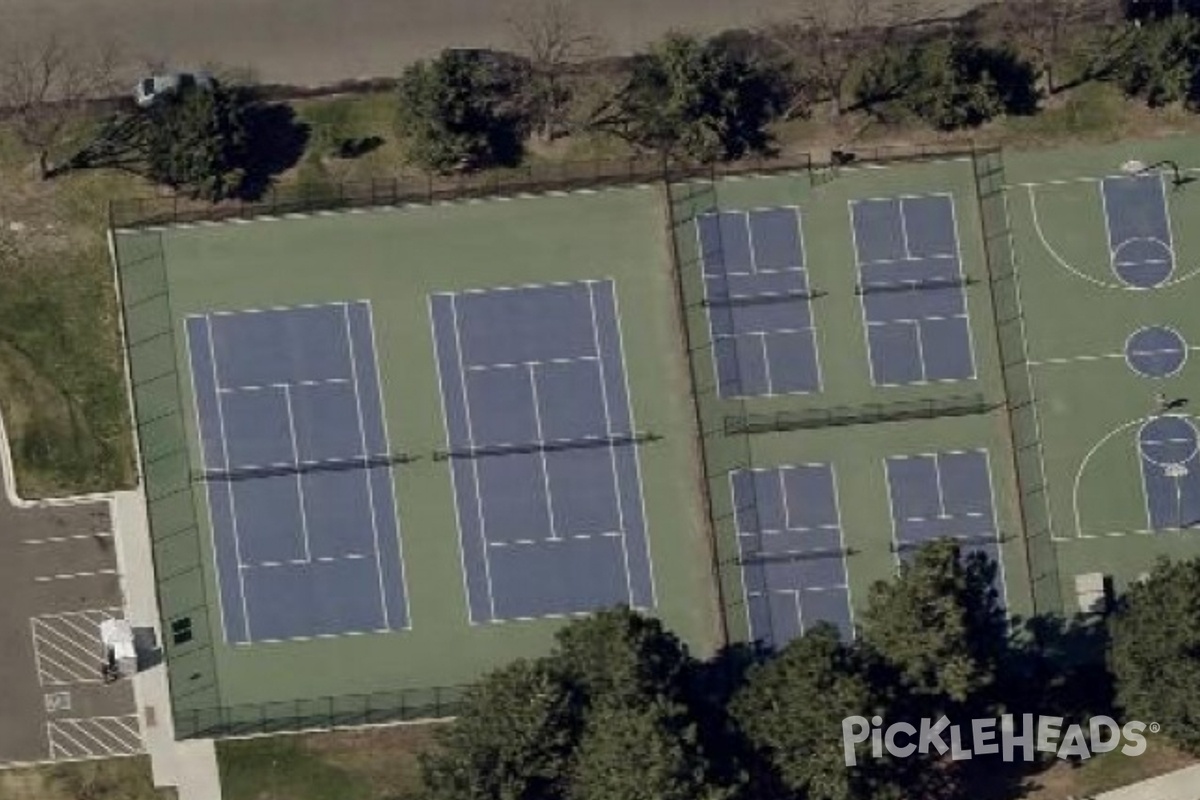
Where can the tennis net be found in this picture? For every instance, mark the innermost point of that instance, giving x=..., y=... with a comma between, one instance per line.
x=767, y=298
x=302, y=467
x=966, y=541
x=916, y=284
x=786, y=556
x=548, y=446
x=872, y=413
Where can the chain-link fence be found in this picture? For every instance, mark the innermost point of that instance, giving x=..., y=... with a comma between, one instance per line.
x=1042, y=562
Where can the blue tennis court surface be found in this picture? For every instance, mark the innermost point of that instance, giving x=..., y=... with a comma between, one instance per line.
x=538, y=419
x=940, y=495
x=910, y=277
x=759, y=314
x=791, y=552
x=1170, y=458
x=310, y=545
x=1139, y=229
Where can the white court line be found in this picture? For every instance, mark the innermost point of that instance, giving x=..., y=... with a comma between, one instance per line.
x=750, y=243
x=762, y=340
x=1002, y=573
x=1112, y=248
x=862, y=303
x=458, y=523
x=737, y=527
x=637, y=455
x=612, y=451
x=362, y=438
x=237, y=542
x=254, y=387
x=387, y=443
x=837, y=508
x=291, y=420
x=532, y=362
x=904, y=230
x=462, y=377
x=537, y=422
x=787, y=510
x=208, y=489
x=966, y=299
x=937, y=479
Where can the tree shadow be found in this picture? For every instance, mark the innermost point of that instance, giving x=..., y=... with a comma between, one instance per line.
x=275, y=142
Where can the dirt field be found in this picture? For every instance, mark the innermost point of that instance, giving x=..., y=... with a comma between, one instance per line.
x=323, y=41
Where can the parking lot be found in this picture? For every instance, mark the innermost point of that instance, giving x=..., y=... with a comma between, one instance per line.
x=59, y=572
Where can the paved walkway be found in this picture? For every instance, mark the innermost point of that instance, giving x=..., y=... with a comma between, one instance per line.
x=312, y=42
x=1183, y=784
x=65, y=564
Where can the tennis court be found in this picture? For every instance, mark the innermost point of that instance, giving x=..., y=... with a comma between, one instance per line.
x=1142, y=252
x=944, y=495
x=912, y=288
x=297, y=467
x=543, y=450
x=759, y=302
x=1170, y=458
x=790, y=549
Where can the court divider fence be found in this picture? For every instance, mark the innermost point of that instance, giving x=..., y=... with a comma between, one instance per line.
x=1021, y=403
x=187, y=608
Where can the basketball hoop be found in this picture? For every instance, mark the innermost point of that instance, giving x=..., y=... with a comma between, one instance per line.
x=1175, y=471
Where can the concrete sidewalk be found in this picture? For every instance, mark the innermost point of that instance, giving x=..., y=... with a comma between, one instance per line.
x=1183, y=784
x=189, y=766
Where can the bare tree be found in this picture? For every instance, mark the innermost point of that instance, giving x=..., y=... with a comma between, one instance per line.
x=1041, y=29
x=44, y=86
x=820, y=47
x=552, y=37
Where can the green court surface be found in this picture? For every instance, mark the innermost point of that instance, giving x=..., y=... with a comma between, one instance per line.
x=396, y=258
x=1052, y=399
x=856, y=452
x=1079, y=315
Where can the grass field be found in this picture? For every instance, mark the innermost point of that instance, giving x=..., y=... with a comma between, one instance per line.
x=395, y=259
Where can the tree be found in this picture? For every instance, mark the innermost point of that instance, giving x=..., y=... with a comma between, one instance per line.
x=694, y=99
x=952, y=82
x=512, y=740
x=1161, y=63
x=940, y=624
x=551, y=37
x=45, y=85
x=1040, y=29
x=1155, y=651
x=195, y=140
x=819, y=49
x=792, y=708
x=622, y=655
x=644, y=751
x=452, y=113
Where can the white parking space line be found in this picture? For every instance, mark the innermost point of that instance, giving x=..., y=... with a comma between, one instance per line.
x=71, y=576
x=94, y=737
x=67, y=647
x=67, y=539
